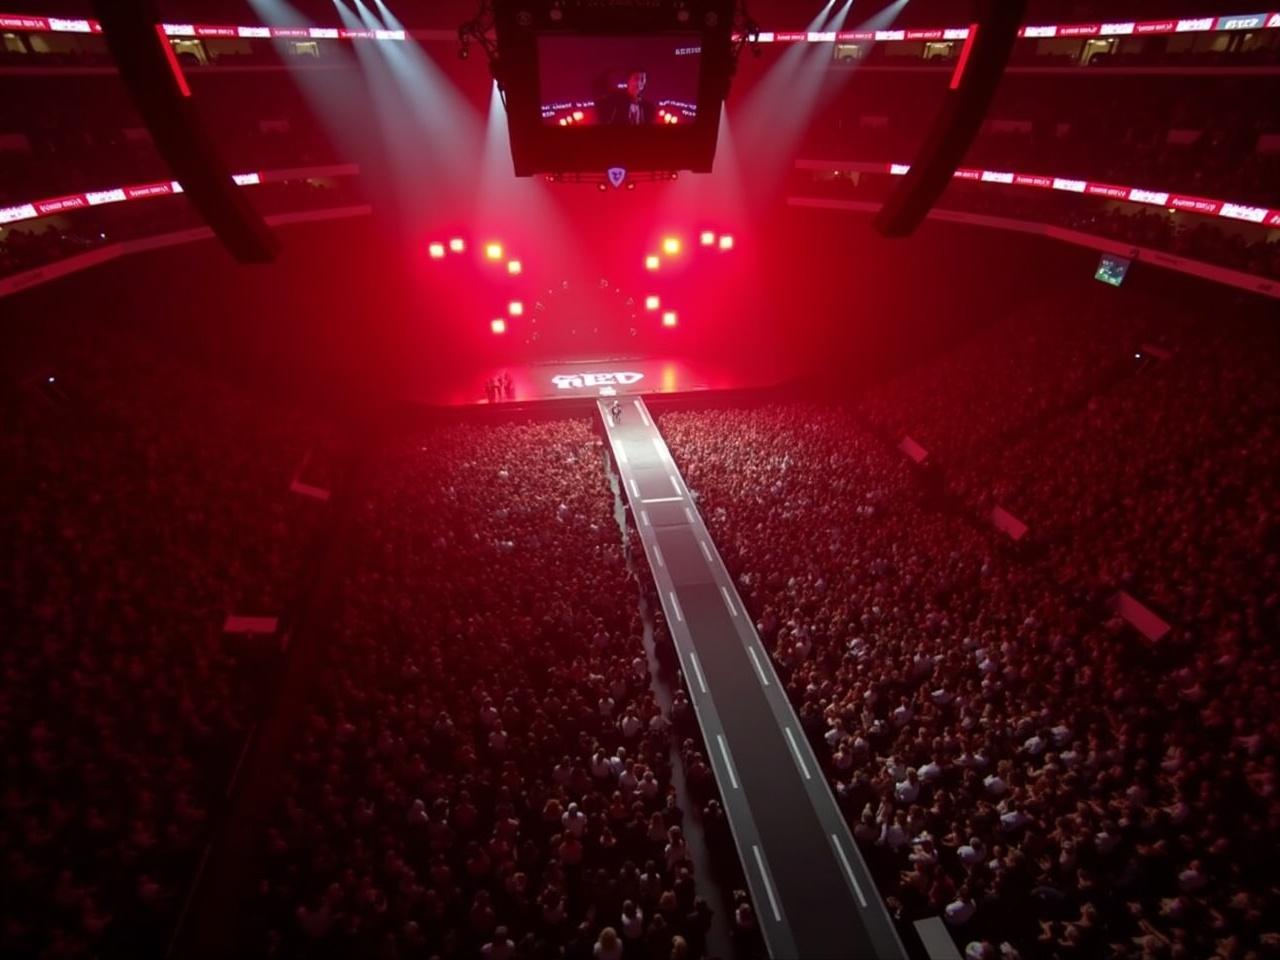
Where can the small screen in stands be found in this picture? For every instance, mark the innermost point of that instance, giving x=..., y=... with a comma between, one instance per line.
x=619, y=81
x=1112, y=269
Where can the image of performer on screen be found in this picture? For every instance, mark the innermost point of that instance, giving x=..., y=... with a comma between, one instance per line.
x=628, y=107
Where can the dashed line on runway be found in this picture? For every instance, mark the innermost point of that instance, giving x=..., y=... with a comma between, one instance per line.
x=728, y=764
x=795, y=751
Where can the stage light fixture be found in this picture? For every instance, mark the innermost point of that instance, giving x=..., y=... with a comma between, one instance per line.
x=726, y=242
x=515, y=308
x=457, y=245
x=515, y=267
x=578, y=116
x=498, y=325
x=669, y=318
x=493, y=251
x=671, y=246
x=652, y=303
x=436, y=250
x=708, y=238
x=652, y=262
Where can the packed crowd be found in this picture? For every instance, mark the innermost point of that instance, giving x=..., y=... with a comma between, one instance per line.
x=1165, y=425
x=144, y=503
x=485, y=770
x=1009, y=755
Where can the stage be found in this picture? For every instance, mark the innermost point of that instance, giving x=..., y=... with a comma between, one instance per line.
x=607, y=377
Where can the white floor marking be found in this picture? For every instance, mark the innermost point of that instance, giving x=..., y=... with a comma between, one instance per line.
x=795, y=749
x=661, y=448
x=688, y=513
x=768, y=887
x=644, y=515
x=848, y=870
x=676, y=604
x=706, y=551
x=697, y=669
x=657, y=553
x=635, y=488
x=621, y=453
x=764, y=679
x=675, y=484
x=644, y=417
x=663, y=500
x=728, y=764
x=728, y=600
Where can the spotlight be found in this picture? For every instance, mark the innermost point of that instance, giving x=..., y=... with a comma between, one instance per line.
x=515, y=308
x=671, y=246
x=726, y=242
x=652, y=262
x=498, y=325
x=603, y=187
x=578, y=116
x=669, y=318
x=514, y=267
x=436, y=250
x=652, y=303
x=708, y=239
x=457, y=245
x=51, y=379
x=494, y=251
x=564, y=122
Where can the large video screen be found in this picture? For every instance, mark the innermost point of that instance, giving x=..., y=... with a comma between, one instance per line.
x=619, y=81
x=1112, y=269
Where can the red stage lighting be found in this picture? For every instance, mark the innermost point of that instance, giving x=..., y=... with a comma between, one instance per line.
x=457, y=245
x=515, y=308
x=498, y=325
x=708, y=238
x=493, y=251
x=652, y=262
x=671, y=246
x=514, y=267
x=652, y=303
x=436, y=250
x=726, y=242
x=669, y=318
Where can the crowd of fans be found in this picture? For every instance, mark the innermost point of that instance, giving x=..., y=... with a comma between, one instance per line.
x=144, y=504
x=485, y=770
x=1011, y=755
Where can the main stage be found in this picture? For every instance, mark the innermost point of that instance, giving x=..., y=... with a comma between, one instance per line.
x=607, y=377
